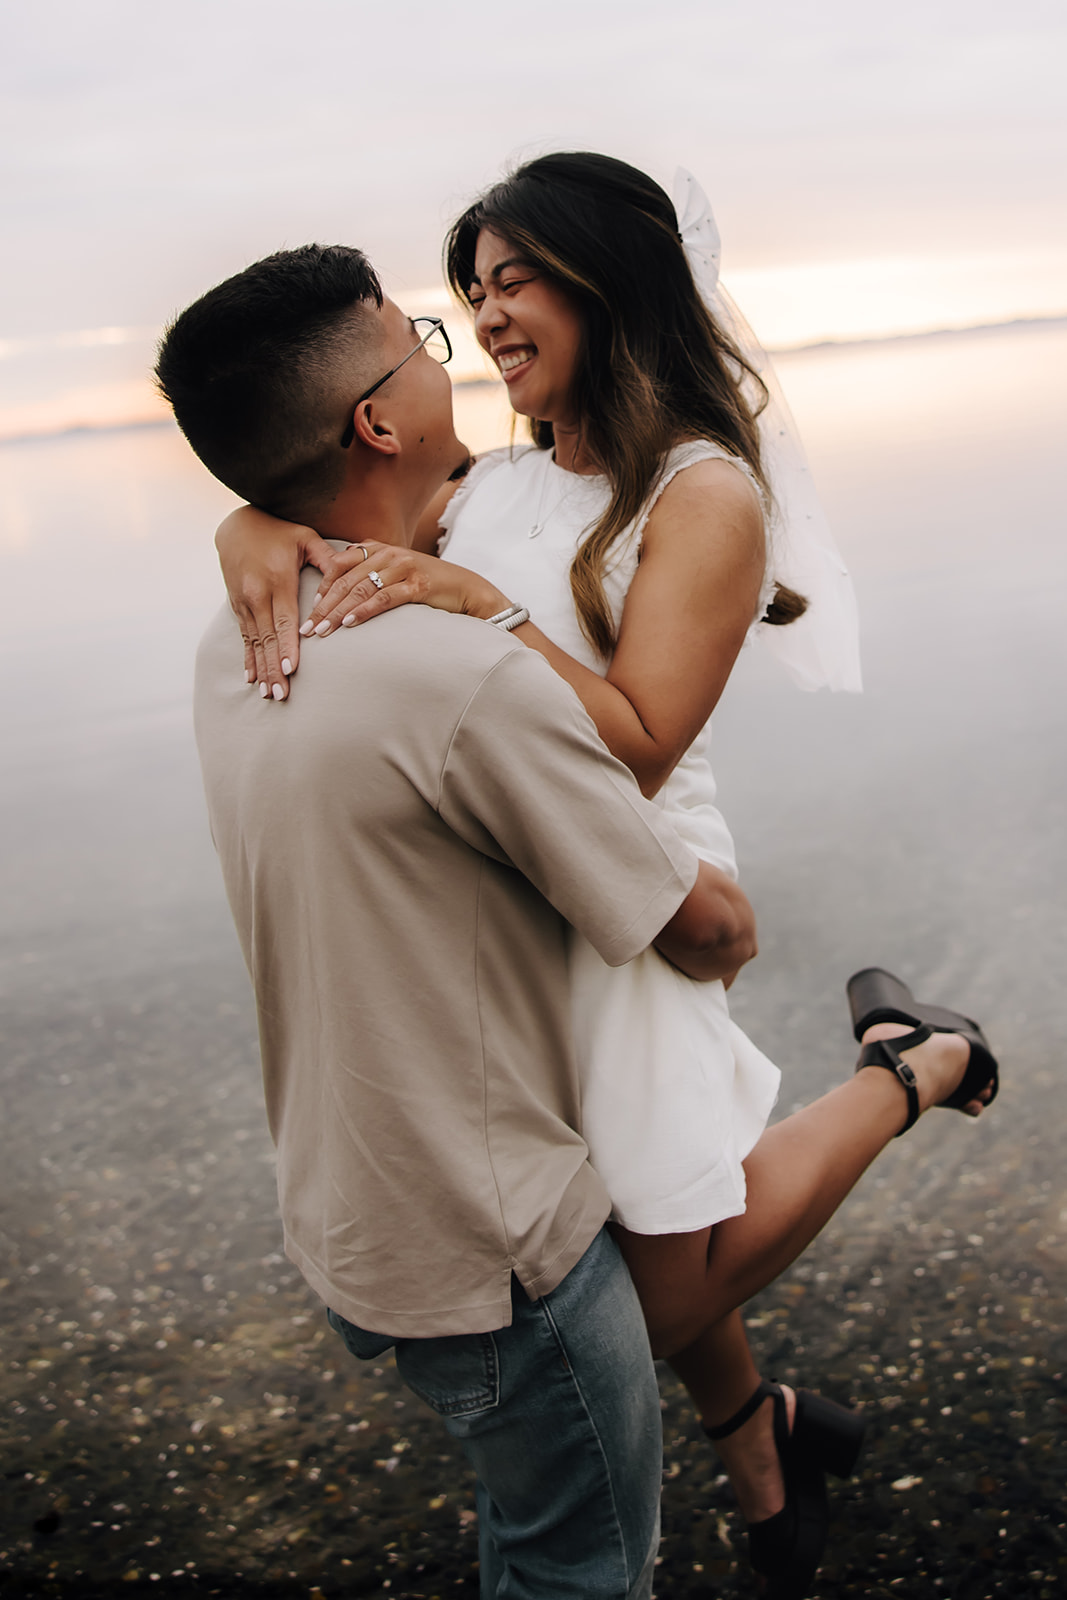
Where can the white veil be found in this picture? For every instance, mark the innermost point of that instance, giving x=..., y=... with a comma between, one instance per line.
x=821, y=649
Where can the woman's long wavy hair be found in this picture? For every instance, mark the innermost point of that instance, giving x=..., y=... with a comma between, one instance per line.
x=654, y=367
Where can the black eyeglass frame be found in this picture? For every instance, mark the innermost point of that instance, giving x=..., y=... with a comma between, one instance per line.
x=437, y=326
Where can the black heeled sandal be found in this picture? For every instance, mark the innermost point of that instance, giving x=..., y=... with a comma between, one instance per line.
x=874, y=995
x=786, y=1549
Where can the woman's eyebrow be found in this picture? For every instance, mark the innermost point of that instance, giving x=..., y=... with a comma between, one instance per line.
x=501, y=266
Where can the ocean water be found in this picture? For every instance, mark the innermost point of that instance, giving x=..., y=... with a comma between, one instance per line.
x=920, y=826
x=939, y=461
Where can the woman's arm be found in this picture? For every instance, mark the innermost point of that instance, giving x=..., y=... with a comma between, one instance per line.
x=261, y=558
x=688, y=610
x=689, y=607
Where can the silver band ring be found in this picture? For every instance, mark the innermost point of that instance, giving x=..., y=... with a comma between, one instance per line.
x=376, y=580
x=366, y=552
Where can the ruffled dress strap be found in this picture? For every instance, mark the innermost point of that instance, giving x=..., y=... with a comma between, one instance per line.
x=687, y=455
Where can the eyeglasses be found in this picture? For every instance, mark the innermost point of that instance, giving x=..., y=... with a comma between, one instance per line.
x=436, y=342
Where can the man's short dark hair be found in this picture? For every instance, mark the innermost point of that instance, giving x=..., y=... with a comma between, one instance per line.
x=260, y=369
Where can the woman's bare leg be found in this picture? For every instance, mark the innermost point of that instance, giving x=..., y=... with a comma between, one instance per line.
x=720, y=1374
x=692, y=1285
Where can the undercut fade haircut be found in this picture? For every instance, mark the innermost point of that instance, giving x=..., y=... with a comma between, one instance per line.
x=260, y=370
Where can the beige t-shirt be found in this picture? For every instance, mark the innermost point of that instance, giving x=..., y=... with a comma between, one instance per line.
x=402, y=844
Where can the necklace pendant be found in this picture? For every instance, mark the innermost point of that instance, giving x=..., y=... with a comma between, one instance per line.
x=535, y=529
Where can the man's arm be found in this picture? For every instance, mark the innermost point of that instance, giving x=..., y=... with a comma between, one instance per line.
x=713, y=932
x=527, y=777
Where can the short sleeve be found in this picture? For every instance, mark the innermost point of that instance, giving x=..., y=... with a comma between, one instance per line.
x=527, y=772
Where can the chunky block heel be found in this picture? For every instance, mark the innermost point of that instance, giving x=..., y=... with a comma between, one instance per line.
x=786, y=1549
x=874, y=995
x=830, y=1434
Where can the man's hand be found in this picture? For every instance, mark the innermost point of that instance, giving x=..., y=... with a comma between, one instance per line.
x=713, y=932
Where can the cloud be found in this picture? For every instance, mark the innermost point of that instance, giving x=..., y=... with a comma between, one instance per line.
x=150, y=151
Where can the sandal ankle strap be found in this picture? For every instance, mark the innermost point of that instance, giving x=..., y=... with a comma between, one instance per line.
x=749, y=1409
x=886, y=1053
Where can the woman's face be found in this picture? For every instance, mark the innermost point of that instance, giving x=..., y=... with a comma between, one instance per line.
x=530, y=326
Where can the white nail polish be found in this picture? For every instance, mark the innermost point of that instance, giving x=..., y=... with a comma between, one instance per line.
x=323, y=628
x=305, y=628
x=287, y=666
x=250, y=677
x=264, y=691
x=278, y=692
x=346, y=622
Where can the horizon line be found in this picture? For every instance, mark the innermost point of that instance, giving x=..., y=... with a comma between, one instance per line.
x=1046, y=319
x=828, y=344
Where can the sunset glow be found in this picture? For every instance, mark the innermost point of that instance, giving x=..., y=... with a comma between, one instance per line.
x=789, y=307
x=807, y=303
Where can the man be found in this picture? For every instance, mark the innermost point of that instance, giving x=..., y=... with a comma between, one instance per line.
x=402, y=851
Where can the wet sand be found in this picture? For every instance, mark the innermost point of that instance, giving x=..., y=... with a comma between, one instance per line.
x=177, y=1417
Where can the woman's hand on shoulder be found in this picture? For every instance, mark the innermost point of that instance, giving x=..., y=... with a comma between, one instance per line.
x=690, y=605
x=261, y=558
x=370, y=577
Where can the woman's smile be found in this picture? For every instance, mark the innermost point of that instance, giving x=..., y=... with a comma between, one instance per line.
x=530, y=326
x=509, y=360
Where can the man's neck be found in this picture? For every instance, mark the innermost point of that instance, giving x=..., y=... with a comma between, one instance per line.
x=369, y=509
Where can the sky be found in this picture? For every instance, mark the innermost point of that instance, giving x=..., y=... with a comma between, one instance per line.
x=874, y=170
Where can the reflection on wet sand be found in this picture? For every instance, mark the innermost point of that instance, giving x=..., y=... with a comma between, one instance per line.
x=178, y=1418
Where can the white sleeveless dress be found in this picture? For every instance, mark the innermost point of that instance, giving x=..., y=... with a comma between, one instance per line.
x=674, y=1095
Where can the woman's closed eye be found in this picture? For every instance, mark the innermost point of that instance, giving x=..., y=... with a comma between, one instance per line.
x=477, y=297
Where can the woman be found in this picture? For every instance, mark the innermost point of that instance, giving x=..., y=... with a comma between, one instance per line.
x=633, y=533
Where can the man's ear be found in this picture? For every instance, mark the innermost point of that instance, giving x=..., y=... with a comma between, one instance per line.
x=375, y=429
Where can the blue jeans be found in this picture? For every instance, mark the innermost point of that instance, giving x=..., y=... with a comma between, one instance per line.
x=559, y=1415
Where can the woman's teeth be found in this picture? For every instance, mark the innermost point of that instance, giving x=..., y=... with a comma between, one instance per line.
x=514, y=358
